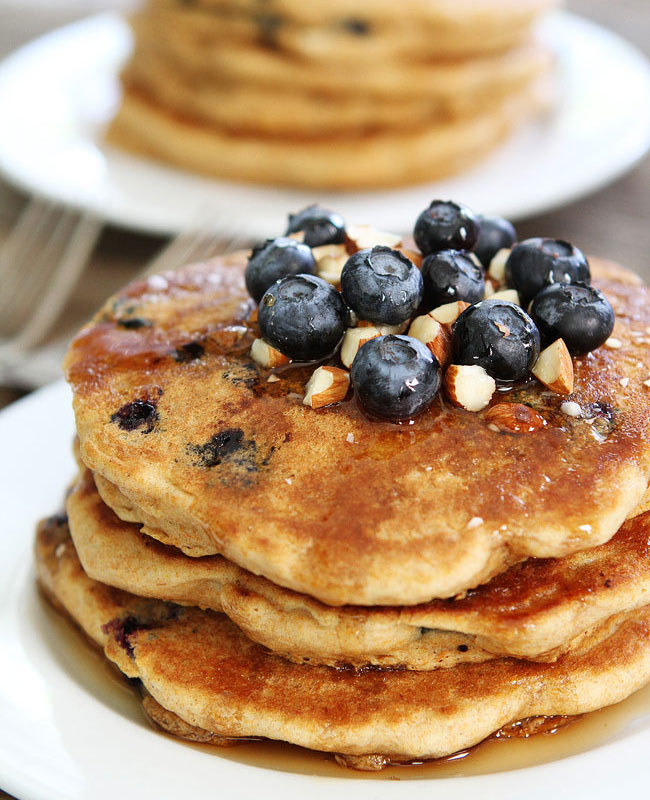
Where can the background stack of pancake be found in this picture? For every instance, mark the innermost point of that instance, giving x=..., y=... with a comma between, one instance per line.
x=330, y=94
x=383, y=592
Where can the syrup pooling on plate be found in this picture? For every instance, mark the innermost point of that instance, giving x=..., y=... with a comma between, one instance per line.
x=101, y=679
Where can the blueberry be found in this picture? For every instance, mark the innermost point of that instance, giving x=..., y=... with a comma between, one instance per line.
x=395, y=377
x=496, y=233
x=498, y=336
x=303, y=317
x=535, y=263
x=451, y=275
x=274, y=259
x=381, y=285
x=446, y=225
x=577, y=313
x=319, y=225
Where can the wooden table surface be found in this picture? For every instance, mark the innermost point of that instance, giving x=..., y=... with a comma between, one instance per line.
x=614, y=222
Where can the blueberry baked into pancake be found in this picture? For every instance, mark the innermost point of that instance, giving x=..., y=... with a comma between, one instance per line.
x=378, y=498
x=330, y=94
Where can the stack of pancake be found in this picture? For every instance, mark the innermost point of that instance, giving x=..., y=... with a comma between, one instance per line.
x=334, y=94
x=378, y=591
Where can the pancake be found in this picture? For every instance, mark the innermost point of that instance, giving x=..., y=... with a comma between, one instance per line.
x=453, y=29
x=378, y=159
x=304, y=111
x=201, y=668
x=193, y=54
x=537, y=609
x=171, y=409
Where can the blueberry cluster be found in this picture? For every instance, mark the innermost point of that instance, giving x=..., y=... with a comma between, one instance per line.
x=469, y=270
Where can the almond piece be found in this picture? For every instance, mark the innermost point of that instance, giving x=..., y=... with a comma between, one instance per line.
x=267, y=356
x=469, y=387
x=354, y=339
x=384, y=330
x=490, y=287
x=497, y=268
x=330, y=260
x=450, y=312
x=514, y=418
x=512, y=295
x=326, y=386
x=554, y=368
x=429, y=331
x=416, y=257
x=361, y=237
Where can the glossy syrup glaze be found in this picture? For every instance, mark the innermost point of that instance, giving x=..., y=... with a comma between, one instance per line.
x=302, y=519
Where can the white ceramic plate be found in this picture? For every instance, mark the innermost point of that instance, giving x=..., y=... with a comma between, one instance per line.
x=57, y=93
x=68, y=731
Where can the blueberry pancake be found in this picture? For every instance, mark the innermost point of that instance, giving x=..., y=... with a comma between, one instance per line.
x=207, y=681
x=470, y=80
x=378, y=158
x=538, y=609
x=216, y=454
x=339, y=96
x=283, y=102
x=332, y=30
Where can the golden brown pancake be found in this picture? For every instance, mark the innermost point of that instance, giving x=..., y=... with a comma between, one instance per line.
x=228, y=63
x=344, y=98
x=380, y=158
x=538, y=609
x=171, y=409
x=284, y=111
x=201, y=668
x=327, y=29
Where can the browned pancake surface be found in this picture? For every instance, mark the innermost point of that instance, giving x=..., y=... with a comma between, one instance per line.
x=348, y=510
x=199, y=666
x=538, y=609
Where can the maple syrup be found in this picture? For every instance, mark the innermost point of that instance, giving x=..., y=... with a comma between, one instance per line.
x=96, y=675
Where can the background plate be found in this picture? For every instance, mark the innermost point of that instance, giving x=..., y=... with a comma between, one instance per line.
x=57, y=93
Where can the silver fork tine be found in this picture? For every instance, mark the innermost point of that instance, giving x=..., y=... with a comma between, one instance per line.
x=202, y=240
x=32, y=217
x=45, y=253
x=41, y=261
x=13, y=255
x=84, y=235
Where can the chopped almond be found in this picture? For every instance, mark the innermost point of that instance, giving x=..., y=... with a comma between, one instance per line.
x=384, y=330
x=326, y=386
x=469, y=386
x=429, y=331
x=497, y=268
x=354, y=339
x=450, y=312
x=267, y=356
x=330, y=260
x=413, y=255
x=361, y=237
x=514, y=418
x=512, y=295
x=554, y=368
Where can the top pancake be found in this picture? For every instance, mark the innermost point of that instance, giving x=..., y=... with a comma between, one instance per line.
x=327, y=502
x=454, y=27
